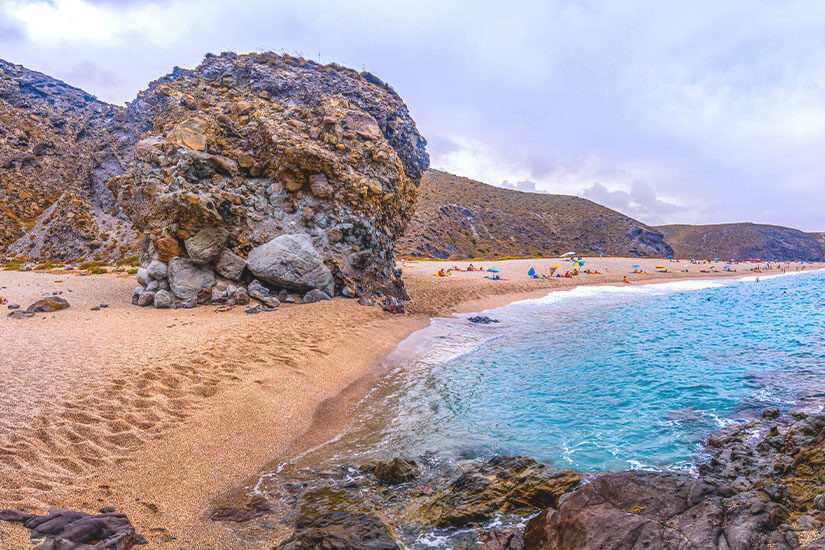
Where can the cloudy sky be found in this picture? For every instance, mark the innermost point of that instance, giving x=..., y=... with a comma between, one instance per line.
x=700, y=111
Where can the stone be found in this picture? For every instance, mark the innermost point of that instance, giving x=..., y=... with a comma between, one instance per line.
x=204, y=296
x=315, y=295
x=637, y=509
x=95, y=308
x=255, y=508
x=396, y=471
x=253, y=310
x=71, y=530
x=230, y=265
x=138, y=290
x=186, y=278
x=807, y=523
x=319, y=186
x=152, y=286
x=245, y=160
x=819, y=502
x=163, y=299
x=14, y=306
x=146, y=299
x=482, y=320
x=290, y=261
x=142, y=276
x=157, y=270
x=168, y=248
x=335, y=235
x=501, y=485
x=240, y=297
x=189, y=133
x=206, y=245
x=48, y=305
x=20, y=314
x=259, y=292
x=770, y=414
x=341, y=531
x=243, y=107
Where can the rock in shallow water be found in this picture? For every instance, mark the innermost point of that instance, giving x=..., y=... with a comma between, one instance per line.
x=340, y=531
x=503, y=484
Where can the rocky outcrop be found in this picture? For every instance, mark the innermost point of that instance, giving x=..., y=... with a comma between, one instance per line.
x=59, y=147
x=71, y=530
x=456, y=215
x=636, y=510
x=502, y=485
x=275, y=168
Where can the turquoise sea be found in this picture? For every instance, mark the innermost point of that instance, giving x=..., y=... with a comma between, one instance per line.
x=599, y=378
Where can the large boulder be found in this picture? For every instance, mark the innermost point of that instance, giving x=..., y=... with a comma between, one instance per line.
x=186, y=278
x=638, y=510
x=290, y=261
x=48, y=305
x=263, y=145
x=502, y=485
x=207, y=244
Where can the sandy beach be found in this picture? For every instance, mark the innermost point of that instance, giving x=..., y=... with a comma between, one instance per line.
x=158, y=412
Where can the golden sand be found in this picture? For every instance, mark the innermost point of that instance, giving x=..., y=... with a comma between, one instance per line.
x=157, y=412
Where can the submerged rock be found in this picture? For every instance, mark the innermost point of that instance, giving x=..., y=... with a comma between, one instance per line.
x=397, y=470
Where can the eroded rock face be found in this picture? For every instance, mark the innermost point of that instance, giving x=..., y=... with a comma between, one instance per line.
x=257, y=147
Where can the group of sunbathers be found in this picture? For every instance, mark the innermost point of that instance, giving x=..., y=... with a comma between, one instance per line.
x=446, y=272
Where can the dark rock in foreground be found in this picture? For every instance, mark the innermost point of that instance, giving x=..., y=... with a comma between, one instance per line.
x=341, y=531
x=636, y=510
x=70, y=530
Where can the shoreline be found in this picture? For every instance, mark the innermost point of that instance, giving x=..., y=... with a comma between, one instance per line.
x=200, y=452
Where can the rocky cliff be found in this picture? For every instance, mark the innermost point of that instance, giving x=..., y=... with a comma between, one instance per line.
x=59, y=146
x=740, y=241
x=456, y=215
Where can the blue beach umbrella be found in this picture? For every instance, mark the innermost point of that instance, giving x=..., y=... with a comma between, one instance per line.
x=670, y=256
x=494, y=270
x=635, y=265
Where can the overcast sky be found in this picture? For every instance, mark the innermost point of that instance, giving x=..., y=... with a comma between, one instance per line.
x=671, y=112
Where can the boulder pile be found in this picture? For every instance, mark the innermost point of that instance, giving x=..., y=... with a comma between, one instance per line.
x=270, y=171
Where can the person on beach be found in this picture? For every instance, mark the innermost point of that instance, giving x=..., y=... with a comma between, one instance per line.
x=625, y=280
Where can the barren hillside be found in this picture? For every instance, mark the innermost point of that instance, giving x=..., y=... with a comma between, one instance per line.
x=456, y=215
x=740, y=241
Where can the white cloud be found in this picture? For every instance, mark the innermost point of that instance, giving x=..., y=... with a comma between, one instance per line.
x=716, y=106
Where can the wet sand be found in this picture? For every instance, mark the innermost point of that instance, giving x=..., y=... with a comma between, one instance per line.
x=158, y=412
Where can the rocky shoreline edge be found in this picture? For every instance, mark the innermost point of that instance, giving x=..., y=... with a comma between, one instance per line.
x=758, y=485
